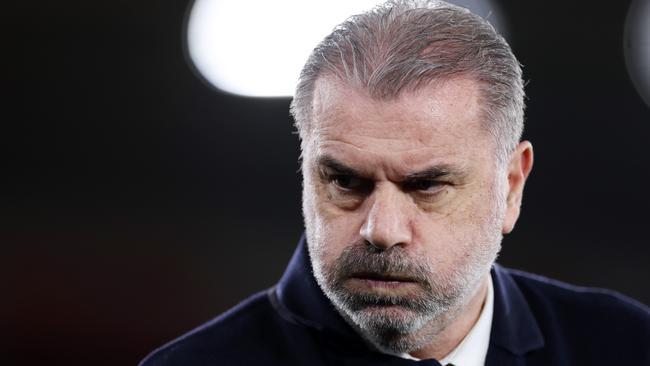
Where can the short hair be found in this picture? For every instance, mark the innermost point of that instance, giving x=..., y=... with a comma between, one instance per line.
x=406, y=44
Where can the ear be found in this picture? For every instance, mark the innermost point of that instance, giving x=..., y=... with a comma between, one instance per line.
x=519, y=167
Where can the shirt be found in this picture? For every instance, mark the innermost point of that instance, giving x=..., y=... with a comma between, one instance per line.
x=471, y=351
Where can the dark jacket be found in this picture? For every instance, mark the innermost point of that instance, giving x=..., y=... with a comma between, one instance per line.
x=536, y=321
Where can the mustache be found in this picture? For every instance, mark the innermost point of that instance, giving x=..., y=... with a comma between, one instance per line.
x=363, y=260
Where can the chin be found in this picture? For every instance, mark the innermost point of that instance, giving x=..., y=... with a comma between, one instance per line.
x=395, y=330
x=393, y=319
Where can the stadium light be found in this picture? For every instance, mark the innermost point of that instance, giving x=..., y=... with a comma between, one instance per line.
x=256, y=48
x=637, y=47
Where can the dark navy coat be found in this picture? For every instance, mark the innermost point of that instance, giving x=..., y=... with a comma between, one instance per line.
x=536, y=321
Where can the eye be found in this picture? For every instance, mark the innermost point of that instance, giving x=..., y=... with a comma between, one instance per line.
x=349, y=182
x=424, y=185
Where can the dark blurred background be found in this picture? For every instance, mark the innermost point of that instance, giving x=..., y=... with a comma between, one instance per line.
x=137, y=202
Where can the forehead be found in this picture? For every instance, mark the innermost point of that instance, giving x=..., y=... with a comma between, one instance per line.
x=437, y=121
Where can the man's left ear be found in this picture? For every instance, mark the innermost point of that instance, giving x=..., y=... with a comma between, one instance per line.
x=521, y=163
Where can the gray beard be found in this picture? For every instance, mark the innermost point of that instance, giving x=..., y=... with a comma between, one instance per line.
x=413, y=319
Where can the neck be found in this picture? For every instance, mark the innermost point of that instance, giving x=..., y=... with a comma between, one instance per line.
x=457, y=328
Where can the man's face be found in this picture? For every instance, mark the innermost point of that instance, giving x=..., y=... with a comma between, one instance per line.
x=404, y=206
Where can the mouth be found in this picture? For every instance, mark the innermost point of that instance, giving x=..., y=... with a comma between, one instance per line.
x=384, y=277
x=381, y=280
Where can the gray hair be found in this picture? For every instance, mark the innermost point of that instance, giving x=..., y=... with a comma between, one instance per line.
x=405, y=44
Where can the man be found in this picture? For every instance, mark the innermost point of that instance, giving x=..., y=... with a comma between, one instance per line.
x=410, y=119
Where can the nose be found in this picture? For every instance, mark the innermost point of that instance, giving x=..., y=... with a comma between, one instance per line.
x=388, y=220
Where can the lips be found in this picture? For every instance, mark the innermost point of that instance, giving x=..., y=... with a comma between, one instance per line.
x=383, y=277
x=385, y=283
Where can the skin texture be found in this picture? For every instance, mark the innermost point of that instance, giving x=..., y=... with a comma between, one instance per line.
x=405, y=207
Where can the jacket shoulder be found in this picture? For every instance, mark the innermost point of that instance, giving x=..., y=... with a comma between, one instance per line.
x=593, y=300
x=574, y=317
x=222, y=340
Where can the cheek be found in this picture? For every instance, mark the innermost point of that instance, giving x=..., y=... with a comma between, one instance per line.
x=329, y=230
x=440, y=240
x=469, y=232
x=337, y=232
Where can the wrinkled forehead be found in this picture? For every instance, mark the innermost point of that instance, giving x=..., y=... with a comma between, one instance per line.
x=442, y=115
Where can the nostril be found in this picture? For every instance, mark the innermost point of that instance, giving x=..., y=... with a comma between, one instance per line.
x=374, y=248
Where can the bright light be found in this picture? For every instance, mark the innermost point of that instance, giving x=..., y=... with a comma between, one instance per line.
x=637, y=46
x=257, y=48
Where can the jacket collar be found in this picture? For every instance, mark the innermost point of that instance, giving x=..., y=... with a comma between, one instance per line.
x=299, y=299
x=514, y=327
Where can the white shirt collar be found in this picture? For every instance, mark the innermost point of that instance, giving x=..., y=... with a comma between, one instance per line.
x=472, y=350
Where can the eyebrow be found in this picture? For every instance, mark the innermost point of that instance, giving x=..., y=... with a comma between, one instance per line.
x=436, y=172
x=336, y=166
x=431, y=173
